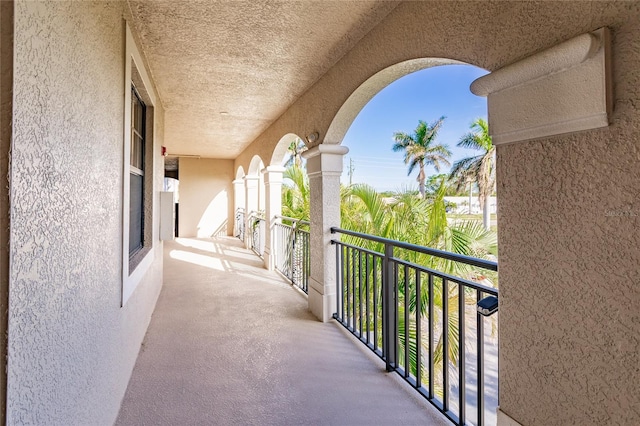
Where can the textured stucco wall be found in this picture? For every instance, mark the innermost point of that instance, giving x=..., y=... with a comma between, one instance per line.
x=568, y=205
x=206, y=197
x=6, y=107
x=569, y=233
x=71, y=346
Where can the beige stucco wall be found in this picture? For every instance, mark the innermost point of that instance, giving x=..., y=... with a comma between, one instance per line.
x=72, y=346
x=6, y=107
x=569, y=233
x=568, y=228
x=206, y=197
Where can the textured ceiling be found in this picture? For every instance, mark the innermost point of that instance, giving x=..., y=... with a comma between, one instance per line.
x=226, y=70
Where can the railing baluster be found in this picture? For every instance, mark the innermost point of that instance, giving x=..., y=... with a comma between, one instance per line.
x=360, y=292
x=307, y=265
x=461, y=356
x=353, y=291
x=342, y=293
x=431, y=322
x=480, y=361
x=338, y=280
x=418, y=331
x=367, y=313
x=348, y=302
x=396, y=320
x=292, y=254
x=389, y=331
x=375, y=303
x=445, y=346
x=407, y=338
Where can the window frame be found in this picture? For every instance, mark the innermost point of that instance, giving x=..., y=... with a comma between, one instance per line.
x=136, y=265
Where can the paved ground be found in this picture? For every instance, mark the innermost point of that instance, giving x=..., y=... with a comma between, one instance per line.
x=232, y=344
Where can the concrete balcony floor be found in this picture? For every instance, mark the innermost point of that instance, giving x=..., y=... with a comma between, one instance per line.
x=232, y=343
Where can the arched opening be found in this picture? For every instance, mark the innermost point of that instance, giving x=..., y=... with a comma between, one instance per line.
x=287, y=150
x=255, y=228
x=240, y=173
x=239, y=199
x=394, y=125
x=288, y=230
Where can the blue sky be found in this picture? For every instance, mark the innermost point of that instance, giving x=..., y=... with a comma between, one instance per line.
x=424, y=95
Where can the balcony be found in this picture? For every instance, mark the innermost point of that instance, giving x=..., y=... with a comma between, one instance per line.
x=233, y=343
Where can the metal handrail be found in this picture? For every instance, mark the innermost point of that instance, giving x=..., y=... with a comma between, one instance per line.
x=257, y=240
x=291, y=219
x=482, y=263
x=292, y=252
x=378, y=291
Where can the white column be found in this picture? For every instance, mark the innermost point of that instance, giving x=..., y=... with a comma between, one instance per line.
x=324, y=167
x=273, y=208
x=238, y=201
x=250, y=205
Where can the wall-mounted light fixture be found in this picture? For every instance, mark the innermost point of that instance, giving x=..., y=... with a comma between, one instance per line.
x=313, y=137
x=488, y=306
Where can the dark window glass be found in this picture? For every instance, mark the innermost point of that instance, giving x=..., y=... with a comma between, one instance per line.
x=136, y=174
x=136, y=213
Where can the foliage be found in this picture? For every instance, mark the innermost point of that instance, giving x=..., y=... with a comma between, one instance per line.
x=295, y=150
x=480, y=168
x=420, y=149
x=295, y=193
x=410, y=218
x=432, y=184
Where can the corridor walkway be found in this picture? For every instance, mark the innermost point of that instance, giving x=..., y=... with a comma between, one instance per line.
x=231, y=343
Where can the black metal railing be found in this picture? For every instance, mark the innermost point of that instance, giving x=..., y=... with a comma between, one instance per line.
x=239, y=225
x=292, y=255
x=257, y=227
x=394, y=297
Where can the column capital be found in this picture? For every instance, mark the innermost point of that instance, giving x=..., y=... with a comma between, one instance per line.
x=273, y=175
x=324, y=159
x=325, y=149
x=251, y=181
x=273, y=169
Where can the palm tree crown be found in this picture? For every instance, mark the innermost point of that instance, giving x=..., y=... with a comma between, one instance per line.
x=480, y=168
x=421, y=150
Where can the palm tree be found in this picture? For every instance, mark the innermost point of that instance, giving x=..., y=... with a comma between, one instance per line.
x=480, y=168
x=295, y=149
x=421, y=150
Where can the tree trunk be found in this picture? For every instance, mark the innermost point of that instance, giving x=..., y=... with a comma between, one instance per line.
x=486, y=213
x=421, y=179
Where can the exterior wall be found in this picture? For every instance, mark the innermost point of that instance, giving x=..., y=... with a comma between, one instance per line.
x=206, y=197
x=6, y=107
x=568, y=229
x=569, y=232
x=72, y=346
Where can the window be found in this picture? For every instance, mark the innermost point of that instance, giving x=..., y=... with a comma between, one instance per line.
x=136, y=174
x=138, y=231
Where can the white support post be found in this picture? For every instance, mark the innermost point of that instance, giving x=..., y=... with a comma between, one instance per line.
x=250, y=205
x=324, y=167
x=238, y=202
x=273, y=209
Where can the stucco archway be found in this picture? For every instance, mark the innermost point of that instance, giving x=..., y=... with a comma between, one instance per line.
x=280, y=151
x=371, y=87
x=240, y=172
